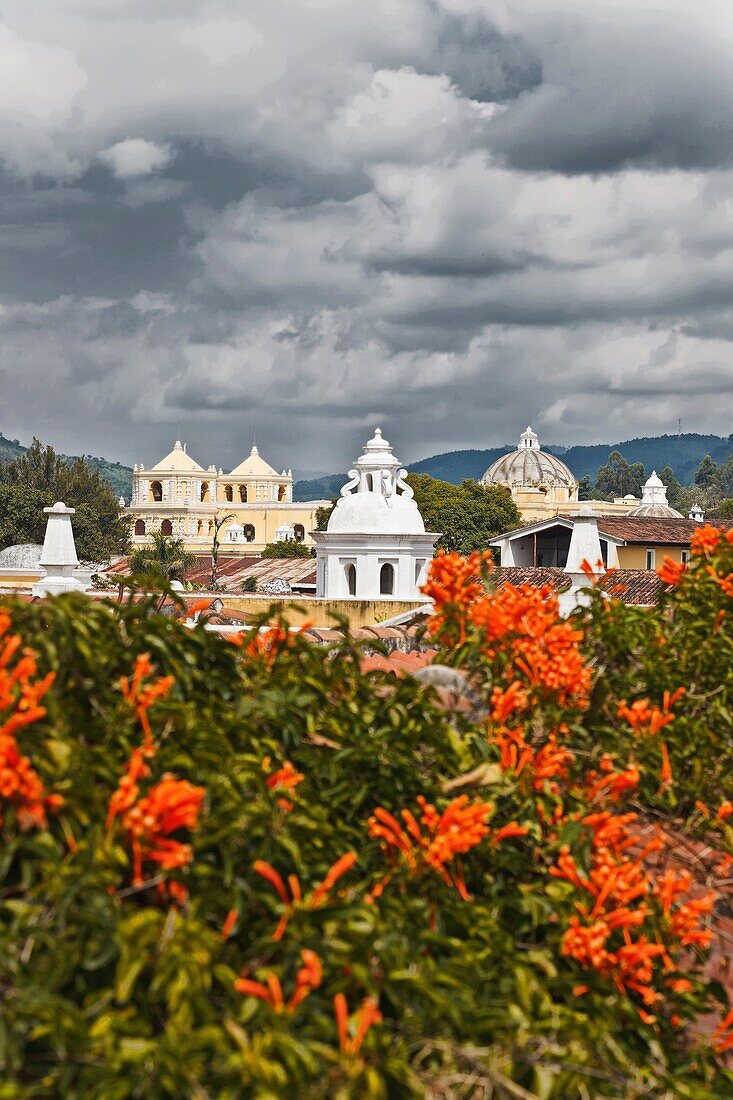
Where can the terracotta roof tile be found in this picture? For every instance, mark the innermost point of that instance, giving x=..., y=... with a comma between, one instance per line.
x=324, y=634
x=649, y=529
x=641, y=587
x=556, y=578
x=385, y=632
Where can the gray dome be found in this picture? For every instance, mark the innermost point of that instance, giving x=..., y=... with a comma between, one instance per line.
x=528, y=466
x=657, y=511
x=25, y=555
x=654, y=500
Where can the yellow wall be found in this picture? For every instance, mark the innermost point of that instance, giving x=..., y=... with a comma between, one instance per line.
x=265, y=522
x=634, y=557
x=321, y=612
x=265, y=518
x=18, y=580
x=535, y=506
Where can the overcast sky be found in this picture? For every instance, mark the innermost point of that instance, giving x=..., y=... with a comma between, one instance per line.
x=309, y=217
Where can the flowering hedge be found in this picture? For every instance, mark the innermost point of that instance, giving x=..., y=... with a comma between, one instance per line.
x=260, y=870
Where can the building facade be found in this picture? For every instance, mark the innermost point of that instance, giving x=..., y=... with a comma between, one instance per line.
x=253, y=503
x=376, y=545
x=625, y=542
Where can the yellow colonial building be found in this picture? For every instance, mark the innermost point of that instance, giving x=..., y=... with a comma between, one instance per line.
x=180, y=497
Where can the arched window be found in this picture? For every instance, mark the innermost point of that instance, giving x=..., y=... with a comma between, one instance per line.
x=386, y=580
x=229, y=493
x=281, y=492
x=140, y=527
x=298, y=532
x=166, y=527
x=200, y=528
x=156, y=490
x=248, y=532
x=204, y=490
x=243, y=493
x=419, y=566
x=351, y=578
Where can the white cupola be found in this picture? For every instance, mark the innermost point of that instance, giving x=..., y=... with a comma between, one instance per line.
x=654, y=500
x=376, y=545
x=529, y=440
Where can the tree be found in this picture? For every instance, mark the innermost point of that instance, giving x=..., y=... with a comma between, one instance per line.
x=584, y=488
x=218, y=524
x=275, y=868
x=323, y=515
x=725, y=510
x=21, y=515
x=707, y=473
x=465, y=515
x=99, y=529
x=288, y=549
x=725, y=477
x=619, y=479
x=694, y=496
x=165, y=556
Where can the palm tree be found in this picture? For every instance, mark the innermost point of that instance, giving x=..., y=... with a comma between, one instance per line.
x=165, y=556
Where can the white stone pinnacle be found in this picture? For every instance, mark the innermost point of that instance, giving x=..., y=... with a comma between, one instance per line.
x=58, y=556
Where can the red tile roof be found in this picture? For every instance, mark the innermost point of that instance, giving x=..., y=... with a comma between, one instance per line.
x=537, y=576
x=655, y=530
x=641, y=587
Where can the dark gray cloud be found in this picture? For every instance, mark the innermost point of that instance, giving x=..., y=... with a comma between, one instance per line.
x=651, y=92
x=446, y=216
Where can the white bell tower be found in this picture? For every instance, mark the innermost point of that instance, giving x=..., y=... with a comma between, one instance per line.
x=376, y=546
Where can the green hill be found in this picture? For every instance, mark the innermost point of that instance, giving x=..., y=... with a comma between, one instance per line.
x=10, y=449
x=683, y=453
x=119, y=476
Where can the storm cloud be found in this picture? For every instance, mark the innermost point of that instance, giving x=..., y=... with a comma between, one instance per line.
x=446, y=216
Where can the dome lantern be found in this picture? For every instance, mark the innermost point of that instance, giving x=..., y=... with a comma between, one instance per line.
x=654, y=500
x=529, y=440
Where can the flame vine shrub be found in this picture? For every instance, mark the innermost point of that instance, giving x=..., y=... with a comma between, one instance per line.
x=257, y=870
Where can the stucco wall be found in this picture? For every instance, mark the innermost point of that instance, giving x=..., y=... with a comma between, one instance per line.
x=323, y=612
x=265, y=518
x=634, y=557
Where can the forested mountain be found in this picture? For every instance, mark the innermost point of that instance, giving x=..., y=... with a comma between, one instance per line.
x=682, y=453
x=119, y=476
